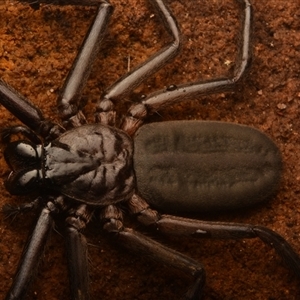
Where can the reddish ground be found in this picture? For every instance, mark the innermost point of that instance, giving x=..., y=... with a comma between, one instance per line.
x=36, y=52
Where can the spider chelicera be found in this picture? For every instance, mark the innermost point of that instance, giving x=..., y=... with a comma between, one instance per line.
x=80, y=170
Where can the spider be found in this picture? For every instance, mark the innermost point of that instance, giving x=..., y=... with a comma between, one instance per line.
x=82, y=170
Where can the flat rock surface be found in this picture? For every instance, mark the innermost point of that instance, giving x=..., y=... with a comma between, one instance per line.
x=36, y=51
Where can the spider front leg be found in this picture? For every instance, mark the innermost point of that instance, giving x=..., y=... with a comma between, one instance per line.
x=174, y=94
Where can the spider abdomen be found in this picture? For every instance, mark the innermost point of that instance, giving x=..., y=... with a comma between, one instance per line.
x=204, y=166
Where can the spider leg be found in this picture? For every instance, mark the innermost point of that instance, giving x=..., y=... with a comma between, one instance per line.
x=35, y=3
x=6, y=134
x=27, y=113
x=68, y=100
x=11, y=211
x=30, y=115
x=142, y=244
x=173, y=94
x=32, y=254
x=77, y=252
x=221, y=230
x=131, y=80
x=182, y=226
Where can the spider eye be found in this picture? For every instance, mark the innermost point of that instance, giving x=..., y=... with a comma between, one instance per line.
x=21, y=155
x=22, y=182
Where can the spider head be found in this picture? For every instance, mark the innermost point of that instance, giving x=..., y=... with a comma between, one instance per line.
x=25, y=160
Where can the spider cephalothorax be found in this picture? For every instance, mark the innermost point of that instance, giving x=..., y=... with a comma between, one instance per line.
x=96, y=169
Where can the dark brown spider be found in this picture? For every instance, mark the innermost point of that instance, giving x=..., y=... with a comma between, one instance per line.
x=90, y=168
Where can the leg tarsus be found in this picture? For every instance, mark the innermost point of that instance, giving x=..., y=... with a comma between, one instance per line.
x=282, y=247
x=195, y=291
